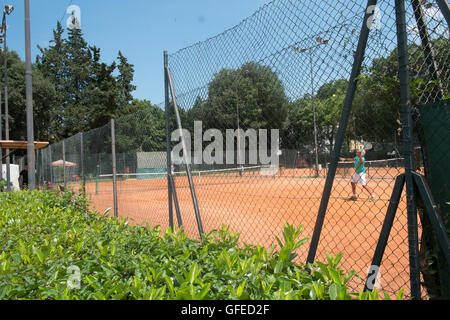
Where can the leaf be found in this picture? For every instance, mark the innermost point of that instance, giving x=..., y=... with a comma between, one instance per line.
x=317, y=290
x=324, y=269
x=374, y=295
x=193, y=273
x=201, y=295
x=184, y=293
x=338, y=258
x=400, y=295
x=169, y=283
x=335, y=276
x=348, y=276
x=312, y=293
x=99, y=296
x=5, y=265
x=292, y=256
x=285, y=284
x=333, y=291
x=39, y=254
x=279, y=242
x=240, y=289
x=284, y=255
x=301, y=242
x=329, y=259
x=279, y=267
x=267, y=287
x=343, y=293
x=106, y=211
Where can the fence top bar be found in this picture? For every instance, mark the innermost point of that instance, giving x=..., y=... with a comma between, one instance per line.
x=11, y=144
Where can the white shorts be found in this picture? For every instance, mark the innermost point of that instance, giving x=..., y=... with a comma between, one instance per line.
x=359, y=178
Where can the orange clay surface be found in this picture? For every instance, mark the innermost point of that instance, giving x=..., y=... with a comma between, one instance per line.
x=259, y=206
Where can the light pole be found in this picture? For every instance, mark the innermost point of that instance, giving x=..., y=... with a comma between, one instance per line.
x=29, y=98
x=310, y=50
x=238, y=126
x=7, y=11
x=236, y=75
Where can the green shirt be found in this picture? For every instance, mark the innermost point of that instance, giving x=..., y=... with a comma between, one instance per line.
x=359, y=167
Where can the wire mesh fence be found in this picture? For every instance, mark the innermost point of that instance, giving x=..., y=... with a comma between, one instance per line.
x=287, y=67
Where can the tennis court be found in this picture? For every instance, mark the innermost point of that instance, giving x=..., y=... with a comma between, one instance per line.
x=259, y=205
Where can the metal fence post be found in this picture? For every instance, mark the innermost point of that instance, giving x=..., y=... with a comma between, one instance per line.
x=405, y=93
x=387, y=226
x=82, y=163
x=96, y=178
x=64, y=164
x=38, y=168
x=427, y=47
x=113, y=155
x=186, y=160
x=168, y=149
x=445, y=9
x=51, y=167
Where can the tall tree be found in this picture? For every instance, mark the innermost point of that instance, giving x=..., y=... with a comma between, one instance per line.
x=253, y=94
x=89, y=92
x=102, y=95
x=51, y=63
x=125, y=85
x=79, y=62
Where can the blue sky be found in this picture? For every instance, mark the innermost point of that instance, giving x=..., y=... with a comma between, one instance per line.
x=141, y=29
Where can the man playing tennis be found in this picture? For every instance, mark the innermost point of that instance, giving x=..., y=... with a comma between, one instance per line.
x=359, y=177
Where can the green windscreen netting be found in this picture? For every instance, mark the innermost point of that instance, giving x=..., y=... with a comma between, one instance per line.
x=436, y=125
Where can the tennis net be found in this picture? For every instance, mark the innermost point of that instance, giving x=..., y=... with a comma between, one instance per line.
x=200, y=177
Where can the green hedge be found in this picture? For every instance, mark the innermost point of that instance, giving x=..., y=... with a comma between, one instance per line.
x=46, y=238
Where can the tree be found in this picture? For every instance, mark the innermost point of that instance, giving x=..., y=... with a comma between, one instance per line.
x=377, y=101
x=252, y=95
x=142, y=131
x=44, y=98
x=253, y=91
x=102, y=93
x=300, y=129
x=89, y=93
x=124, y=84
x=52, y=65
x=330, y=100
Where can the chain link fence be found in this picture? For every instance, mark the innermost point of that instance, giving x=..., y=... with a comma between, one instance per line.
x=286, y=67
x=430, y=75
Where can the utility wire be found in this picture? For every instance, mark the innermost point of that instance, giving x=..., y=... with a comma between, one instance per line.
x=70, y=3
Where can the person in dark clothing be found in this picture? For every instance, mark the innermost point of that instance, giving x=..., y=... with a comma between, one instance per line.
x=23, y=178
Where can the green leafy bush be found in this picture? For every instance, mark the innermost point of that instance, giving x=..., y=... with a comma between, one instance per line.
x=44, y=236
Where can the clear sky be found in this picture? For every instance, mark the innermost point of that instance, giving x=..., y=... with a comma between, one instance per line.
x=141, y=29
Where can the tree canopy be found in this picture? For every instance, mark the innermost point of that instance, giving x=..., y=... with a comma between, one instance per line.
x=44, y=99
x=89, y=93
x=252, y=93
